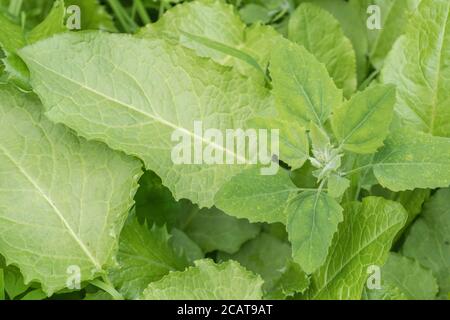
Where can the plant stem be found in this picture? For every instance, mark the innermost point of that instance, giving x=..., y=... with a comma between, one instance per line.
x=15, y=7
x=106, y=285
x=142, y=12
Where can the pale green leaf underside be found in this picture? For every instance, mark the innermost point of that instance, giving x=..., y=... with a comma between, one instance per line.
x=362, y=123
x=207, y=281
x=62, y=199
x=313, y=218
x=133, y=94
x=419, y=65
x=144, y=256
x=429, y=239
x=321, y=34
x=302, y=88
x=411, y=160
x=363, y=239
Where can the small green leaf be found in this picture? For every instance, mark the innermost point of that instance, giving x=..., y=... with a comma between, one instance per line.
x=145, y=255
x=302, y=88
x=362, y=124
x=312, y=221
x=337, y=185
x=321, y=34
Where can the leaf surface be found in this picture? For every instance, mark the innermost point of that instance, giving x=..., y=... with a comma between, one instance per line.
x=207, y=281
x=363, y=239
x=419, y=65
x=63, y=200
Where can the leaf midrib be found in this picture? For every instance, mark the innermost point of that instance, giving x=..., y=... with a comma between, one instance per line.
x=148, y=115
x=47, y=198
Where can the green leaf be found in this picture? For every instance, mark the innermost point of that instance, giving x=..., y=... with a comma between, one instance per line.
x=319, y=138
x=321, y=34
x=302, y=88
x=174, y=80
x=362, y=124
x=337, y=185
x=155, y=203
x=93, y=15
x=256, y=197
x=387, y=292
x=363, y=239
x=144, y=256
x=354, y=29
x=185, y=246
x=293, y=140
x=394, y=17
x=418, y=66
x=36, y=294
x=52, y=24
x=411, y=160
x=213, y=29
x=428, y=240
x=313, y=219
x=271, y=259
x=2, y=285
x=68, y=200
x=207, y=281
x=213, y=230
x=13, y=280
x=413, y=280
x=411, y=200
x=11, y=37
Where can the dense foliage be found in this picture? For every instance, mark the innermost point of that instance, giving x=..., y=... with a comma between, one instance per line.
x=92, y=205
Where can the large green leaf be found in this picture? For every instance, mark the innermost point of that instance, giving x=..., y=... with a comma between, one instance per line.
x=257, y=198
x=419, y=66
x=144, y=256
x=134, y=94
x=63, y=200
x=414, y=281
x=313, y=218
x=411, y=160
x=207, y=281
x=362, y=123
x=321, y=34
x=429, y=239
x=302, y=88
x=363, y=239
